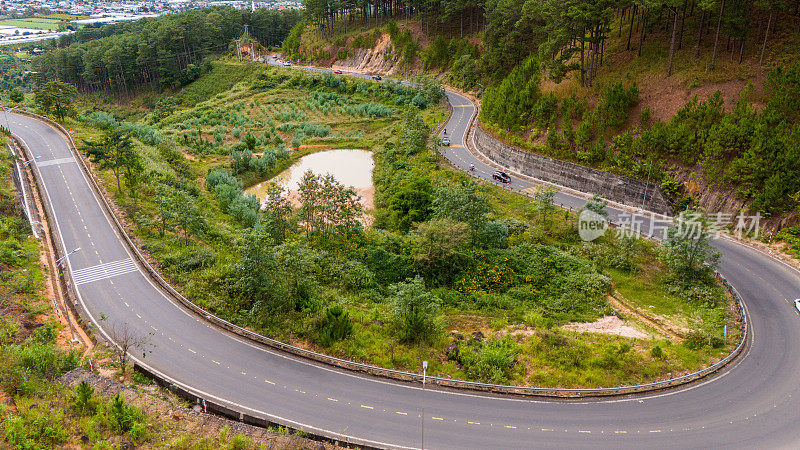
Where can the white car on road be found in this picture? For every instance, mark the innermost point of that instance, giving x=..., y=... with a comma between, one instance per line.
x=797, y=304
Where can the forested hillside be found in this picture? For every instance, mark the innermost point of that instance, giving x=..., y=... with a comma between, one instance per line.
x=694, y=95
x=572, y=35
x=160, y=51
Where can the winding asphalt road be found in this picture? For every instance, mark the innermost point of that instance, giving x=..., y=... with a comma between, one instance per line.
x=754, y=403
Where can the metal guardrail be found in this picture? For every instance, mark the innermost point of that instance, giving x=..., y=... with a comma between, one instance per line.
x=380, y=371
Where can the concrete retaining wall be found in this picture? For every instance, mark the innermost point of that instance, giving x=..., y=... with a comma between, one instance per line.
x=584, y=179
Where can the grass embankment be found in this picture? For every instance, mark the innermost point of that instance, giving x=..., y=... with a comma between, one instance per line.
x=486, y=261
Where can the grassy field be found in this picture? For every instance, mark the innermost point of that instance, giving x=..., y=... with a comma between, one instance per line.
x=33, y=22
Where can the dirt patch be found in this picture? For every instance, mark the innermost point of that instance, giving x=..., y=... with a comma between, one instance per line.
x=188, y=155
x=377, y=60
x=666, y=96
x=658, y=323
x=11, y=406
x=607, y=325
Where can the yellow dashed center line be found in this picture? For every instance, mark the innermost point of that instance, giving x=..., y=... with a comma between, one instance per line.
x=215, y=362
x=621, y=432
x=511, y=427
x=584, y=431
x=402, y=413
x=192, y=351
x=332, y=399
x=244, y=373
x=474, y=423
x=368, y=407
x=655, y=431
x=270, y=382
x=437, y=418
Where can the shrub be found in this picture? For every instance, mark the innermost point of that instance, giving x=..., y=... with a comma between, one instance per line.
x=44, y=335
x=36, y=430
x=419, y=101
x=122, y=417
x=615, y=104
x=221, y=176
x=657, y=352
x=544, y=111
x=490, y=361
x=335, y=326
x=84, y=394
x=46, y=360
x=414, y=308
x=244, y=208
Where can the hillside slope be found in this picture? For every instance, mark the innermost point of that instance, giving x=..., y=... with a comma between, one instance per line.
x=658, y=98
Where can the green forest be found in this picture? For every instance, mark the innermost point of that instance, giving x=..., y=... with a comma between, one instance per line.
x=166, y=51
x=569, y=35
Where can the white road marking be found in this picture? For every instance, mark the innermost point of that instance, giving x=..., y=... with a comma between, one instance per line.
x=104, y=271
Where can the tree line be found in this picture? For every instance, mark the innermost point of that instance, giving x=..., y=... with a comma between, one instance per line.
x=571, y=35
x=161, y=51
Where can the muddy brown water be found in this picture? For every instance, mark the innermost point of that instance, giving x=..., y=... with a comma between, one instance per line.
x=350, y=167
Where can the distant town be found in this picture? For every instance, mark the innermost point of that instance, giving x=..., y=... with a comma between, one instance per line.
x=24, y=21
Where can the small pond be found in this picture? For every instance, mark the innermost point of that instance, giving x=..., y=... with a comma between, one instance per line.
x=350, y=167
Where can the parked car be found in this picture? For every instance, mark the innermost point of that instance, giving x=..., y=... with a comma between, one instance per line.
x=377, y=77
x=337, y=72
x=501, y=177
x=797, y=304
x=287, y=64
x=274, y=56
x=446, y=141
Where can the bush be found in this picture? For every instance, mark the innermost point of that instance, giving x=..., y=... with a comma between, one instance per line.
x=122, y=417
x=490, y=361
x=45, y=360
x=615, y=104
x=36, y=430
x=84, y=401
x=657, y=352
x=414, y=308
x=335, y=326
